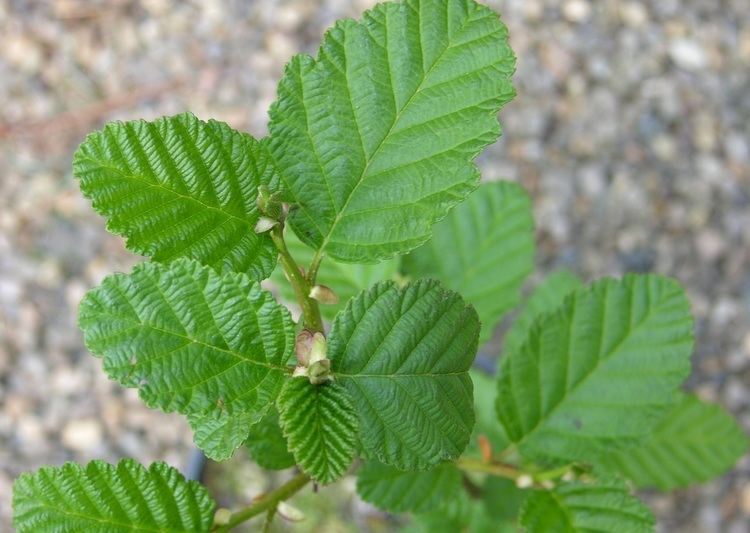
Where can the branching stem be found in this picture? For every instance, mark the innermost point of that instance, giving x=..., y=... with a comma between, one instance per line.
x=266, y=503
x=269, y=519
x=310, y=310
x=312, y=273
x=468, y=464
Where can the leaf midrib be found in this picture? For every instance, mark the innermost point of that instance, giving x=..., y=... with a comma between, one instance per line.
x=66, y=512
x=158, y=185
x=102, y=520
x=190, y=340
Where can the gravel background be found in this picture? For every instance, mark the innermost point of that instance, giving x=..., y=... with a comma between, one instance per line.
x=631, y=130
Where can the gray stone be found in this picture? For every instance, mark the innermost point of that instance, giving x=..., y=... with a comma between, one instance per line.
x=688, y=54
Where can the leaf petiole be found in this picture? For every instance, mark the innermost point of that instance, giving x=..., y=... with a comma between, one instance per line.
x=266, y=503
x=312, y=273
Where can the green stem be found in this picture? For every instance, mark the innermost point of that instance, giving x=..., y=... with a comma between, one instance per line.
x=267, y=502
x=310, y=311
x=269, y=519
x=469, y=464
x=312, y=273
x=551, y=474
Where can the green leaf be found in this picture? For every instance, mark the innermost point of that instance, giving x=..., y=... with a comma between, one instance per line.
x=267, y=443
x=579, y=507
x=502, y=498
x=320, y=425
x=180, y=187
x=399, y=491
x=374, y=139
x=694, y=442
x=547, y=297
x=190, y=339
x=219, y=434
x=404, y=355
x=345, y=279
x=463, y=514
x=484, y=249
x=104, y=498
x=485, y=393
x=599, y=372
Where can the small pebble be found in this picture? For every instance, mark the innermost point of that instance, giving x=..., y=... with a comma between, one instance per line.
x=577, y=10
x=82, y=435
x=710, y=245
x=745, y=501
x=688, y=54
x=634, y=14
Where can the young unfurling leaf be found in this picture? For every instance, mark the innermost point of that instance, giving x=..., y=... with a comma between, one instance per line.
x=320, y=426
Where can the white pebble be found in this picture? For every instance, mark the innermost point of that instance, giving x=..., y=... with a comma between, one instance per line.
x=746, y=343
x=577, y=10
x=82, y=435
x=634, y=14
x=688, y=54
